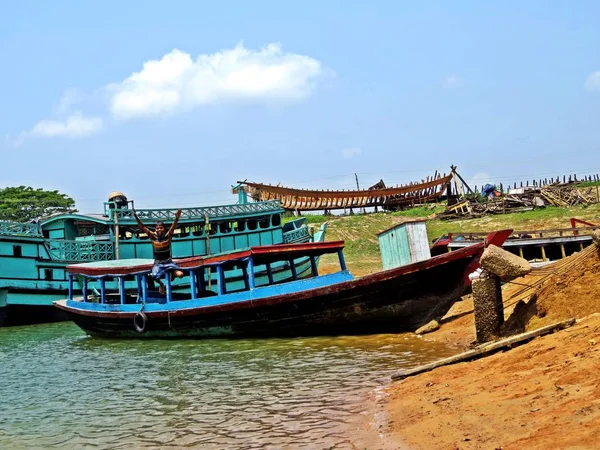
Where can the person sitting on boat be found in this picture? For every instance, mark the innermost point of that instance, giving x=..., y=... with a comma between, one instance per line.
x=161, y=248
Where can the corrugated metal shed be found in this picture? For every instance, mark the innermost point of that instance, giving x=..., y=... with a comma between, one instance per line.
x=404, y=244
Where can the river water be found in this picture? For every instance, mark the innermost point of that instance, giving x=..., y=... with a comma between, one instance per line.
x=60, y=388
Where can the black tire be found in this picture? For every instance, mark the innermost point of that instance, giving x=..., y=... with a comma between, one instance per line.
x=140, y=322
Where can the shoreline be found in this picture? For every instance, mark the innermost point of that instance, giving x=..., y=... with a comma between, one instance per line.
x=539, y=395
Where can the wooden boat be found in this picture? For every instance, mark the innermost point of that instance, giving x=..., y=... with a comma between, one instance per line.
x=536, y=246
x=393, y=300
x=34, y=256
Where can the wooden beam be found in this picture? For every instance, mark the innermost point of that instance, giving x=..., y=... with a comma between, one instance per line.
x=485, y=350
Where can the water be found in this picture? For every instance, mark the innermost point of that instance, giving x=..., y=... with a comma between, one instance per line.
x=59, y=388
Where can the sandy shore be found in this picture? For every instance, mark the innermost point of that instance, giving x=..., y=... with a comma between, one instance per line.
x=541, y=395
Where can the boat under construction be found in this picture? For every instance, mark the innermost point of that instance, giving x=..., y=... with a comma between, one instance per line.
x=431, y=189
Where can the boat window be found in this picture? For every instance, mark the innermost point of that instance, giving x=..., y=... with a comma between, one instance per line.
x=224, y=227
x=17, y=251
x=213, y=228
x=125, y=235
x=91, y=228
x=180, y=232
x=252, y=224
x=240, y=225
x=197, y=230
x=265, y=222
x=47, y=274
x=276, y=220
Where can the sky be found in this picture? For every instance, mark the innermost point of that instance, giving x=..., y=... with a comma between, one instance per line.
x=173, y=102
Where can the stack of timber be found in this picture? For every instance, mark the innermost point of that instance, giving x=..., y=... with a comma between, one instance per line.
x=567, y=195
x=428, y=190
x=522, y=199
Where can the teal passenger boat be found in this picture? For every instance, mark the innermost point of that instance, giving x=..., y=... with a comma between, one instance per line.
x=34, y=256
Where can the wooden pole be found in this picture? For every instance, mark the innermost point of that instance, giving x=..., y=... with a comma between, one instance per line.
x=485, y=350
x=116, y=233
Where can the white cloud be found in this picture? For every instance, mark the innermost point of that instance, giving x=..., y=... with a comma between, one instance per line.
x=593, y=82
x=350, y=152
x=452, y=81
x=70, y=98
x=177, y=82
x=74, y=126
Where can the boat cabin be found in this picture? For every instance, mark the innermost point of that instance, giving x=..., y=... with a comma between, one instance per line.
x=128, y=281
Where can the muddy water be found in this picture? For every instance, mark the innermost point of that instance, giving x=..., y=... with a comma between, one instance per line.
x=61, y=388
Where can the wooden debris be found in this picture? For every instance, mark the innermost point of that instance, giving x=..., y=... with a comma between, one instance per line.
x=429, y=327
x=486, y=349
x=562, y=195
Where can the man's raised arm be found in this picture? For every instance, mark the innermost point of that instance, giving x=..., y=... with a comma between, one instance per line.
x=172, y=228
x=143, y=227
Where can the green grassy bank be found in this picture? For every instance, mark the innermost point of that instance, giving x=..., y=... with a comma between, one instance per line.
x=360, y=230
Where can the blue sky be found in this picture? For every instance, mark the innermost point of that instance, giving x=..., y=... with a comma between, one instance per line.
x=172, y=102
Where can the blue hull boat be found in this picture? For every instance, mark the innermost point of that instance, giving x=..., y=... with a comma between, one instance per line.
x=393, y=300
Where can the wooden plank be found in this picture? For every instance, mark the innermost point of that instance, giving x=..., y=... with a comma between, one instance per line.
x=485, y=350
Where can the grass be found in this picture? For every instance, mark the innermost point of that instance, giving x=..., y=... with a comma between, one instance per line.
x=585, y=184
x=360, y=231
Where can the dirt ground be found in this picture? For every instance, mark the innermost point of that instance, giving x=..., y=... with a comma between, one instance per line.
x=541, y=395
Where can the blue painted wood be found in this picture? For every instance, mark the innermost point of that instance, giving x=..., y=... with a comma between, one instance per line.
x=220, y=284
x=342, y=260
x=122, y=290
x=257, y=293
x=169, y=288
x=193, y=276
x=70, y=287
x=144, y=292
x=250, y=274
x=404, y=244
x=102, y=290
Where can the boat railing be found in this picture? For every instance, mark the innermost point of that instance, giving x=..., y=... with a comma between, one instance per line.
x=168, y=214
x=479, y=235
x=19, y=229
x=197, y=274
x=79, y=251
x=296, y=235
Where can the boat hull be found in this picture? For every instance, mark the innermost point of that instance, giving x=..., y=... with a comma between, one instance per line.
x=15, y=315
x=394, y=300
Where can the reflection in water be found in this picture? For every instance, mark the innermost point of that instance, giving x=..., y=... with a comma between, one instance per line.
x=60, y=388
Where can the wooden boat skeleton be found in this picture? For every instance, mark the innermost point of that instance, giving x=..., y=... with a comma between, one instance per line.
x=426, y=191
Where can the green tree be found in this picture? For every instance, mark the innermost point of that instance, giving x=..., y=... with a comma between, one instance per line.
x=22, y=203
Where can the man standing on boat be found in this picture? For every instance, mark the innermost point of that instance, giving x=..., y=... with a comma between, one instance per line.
x=161, y=247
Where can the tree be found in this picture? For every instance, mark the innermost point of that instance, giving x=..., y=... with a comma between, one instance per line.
x=21, y=204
